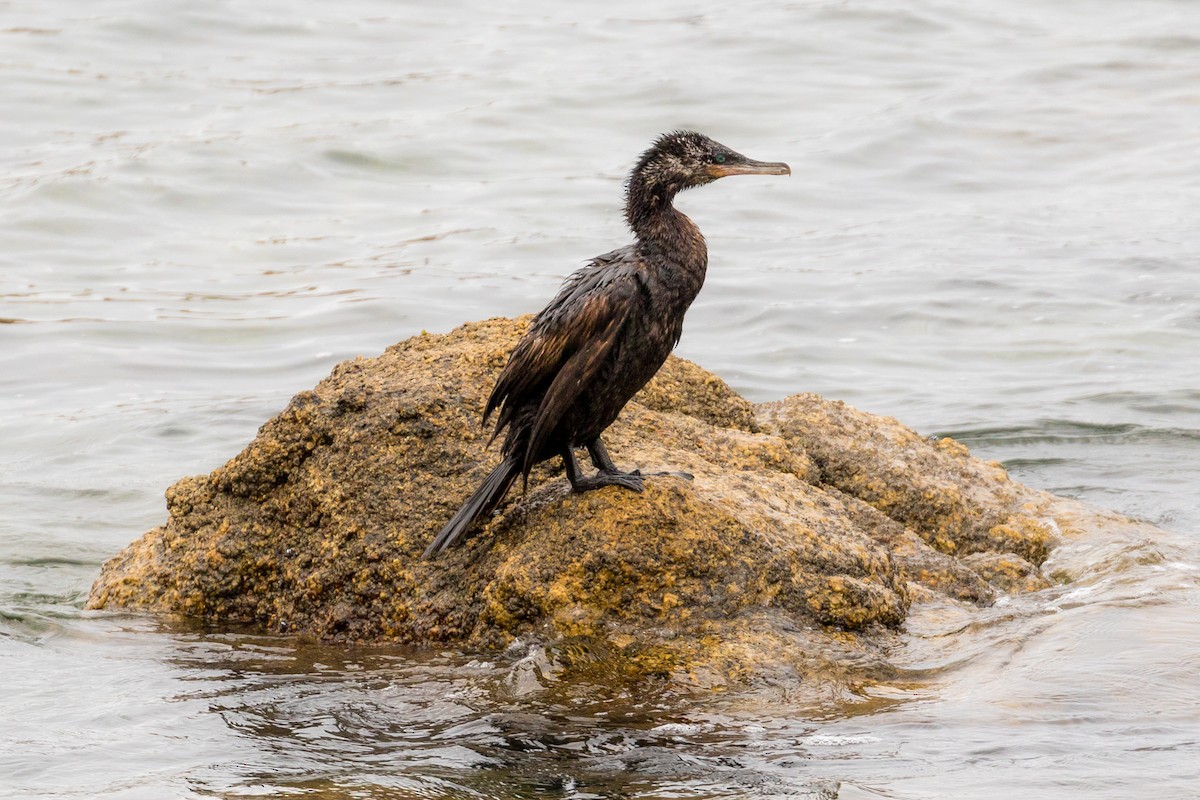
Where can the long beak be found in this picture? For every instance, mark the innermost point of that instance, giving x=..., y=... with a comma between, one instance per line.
x=749, y=167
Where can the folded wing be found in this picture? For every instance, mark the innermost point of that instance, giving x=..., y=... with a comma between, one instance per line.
x=565, y=348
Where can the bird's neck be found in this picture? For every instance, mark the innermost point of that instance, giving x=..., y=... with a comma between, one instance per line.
x=665, y=233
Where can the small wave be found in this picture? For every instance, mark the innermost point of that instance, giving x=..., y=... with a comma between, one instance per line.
x=828, y=740
x=1063, y=430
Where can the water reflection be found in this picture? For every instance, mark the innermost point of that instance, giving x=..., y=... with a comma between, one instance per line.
x=364, y=718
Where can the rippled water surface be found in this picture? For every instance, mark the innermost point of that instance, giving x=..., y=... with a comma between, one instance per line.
x=990, y=232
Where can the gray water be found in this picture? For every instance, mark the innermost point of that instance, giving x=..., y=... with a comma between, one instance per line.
x=990, y=232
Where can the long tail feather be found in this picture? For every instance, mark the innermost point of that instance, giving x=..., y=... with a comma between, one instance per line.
x=482, y=502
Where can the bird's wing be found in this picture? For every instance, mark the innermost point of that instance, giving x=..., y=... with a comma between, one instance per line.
x=566, y=345
x=573, y=378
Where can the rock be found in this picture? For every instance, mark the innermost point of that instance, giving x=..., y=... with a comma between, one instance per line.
x=808, y=531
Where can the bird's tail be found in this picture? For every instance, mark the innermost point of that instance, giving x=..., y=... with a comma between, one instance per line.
x=483, y=501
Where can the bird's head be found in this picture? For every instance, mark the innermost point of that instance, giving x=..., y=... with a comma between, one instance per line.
x=683, y=159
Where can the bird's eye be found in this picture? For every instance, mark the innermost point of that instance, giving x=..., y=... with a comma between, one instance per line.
x=719, y=158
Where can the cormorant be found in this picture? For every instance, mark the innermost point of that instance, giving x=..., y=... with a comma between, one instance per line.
x=612, y=325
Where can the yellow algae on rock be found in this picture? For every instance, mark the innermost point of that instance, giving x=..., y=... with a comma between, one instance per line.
x=808, y=529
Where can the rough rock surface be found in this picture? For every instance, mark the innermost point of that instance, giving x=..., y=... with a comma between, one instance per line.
x=808, y=531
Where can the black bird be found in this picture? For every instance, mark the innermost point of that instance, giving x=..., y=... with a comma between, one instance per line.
x=612, y=325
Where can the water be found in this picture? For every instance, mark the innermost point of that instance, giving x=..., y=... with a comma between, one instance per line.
x=990, y=232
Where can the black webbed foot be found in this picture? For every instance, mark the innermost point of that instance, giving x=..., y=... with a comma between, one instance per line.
x=630, y=480
x=607, y=473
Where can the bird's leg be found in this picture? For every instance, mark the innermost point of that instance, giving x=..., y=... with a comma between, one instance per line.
x=604, y=463
x=601, y=459
x=581, y=483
